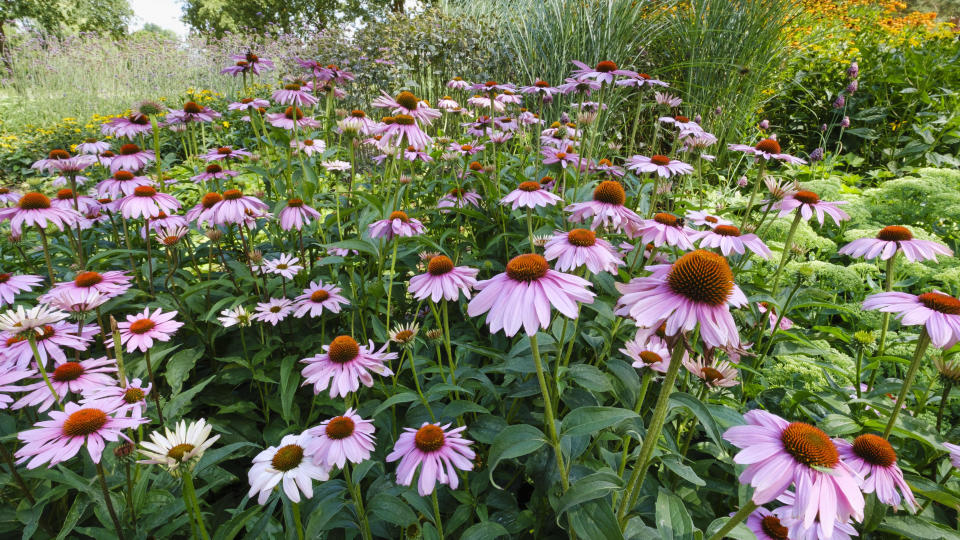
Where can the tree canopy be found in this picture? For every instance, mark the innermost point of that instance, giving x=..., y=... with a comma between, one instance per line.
x=64, y=17
x=220, y=16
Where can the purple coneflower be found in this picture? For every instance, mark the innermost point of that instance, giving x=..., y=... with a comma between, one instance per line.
x=407, y=104
x=765, y=525
x=662, y=165
x=892, y=239
x=585, y=86
x=61, y=437
x=286, y=464
x=122, y=400
x=529, y=195
x=441, y=453
x=247, y=104
x=698, y=288
x=767, y=149
x=9, y=197
x=343, y=365
x=237, y=315
x=663, y=228
x=319, y=297
x=234, y=207
x=127, y=126
x=290, y=117
x=954, y=451
x=48, y=164
x=648, y=353
x=293, y=94
x=404, y=128
x=225, y=152
x=308, y=147
x=564, y=157
x=50, y=341
x=443, y=280
x=139, y=331
x=285, y=266
x=7, y=378
x=728, y=239
x=397, y=224
x=581, y=247
x=121, y=184
x=296, y=215
x=606, y=208
x=640, y=80
x=523, y=294
x=11, y=285
x=939, y=313
x=809, y=202
x=457, y=83
x=720, y=374
x=875, y=462
x=93, y=146
x=109, y=284
x=765, y=307
x=667, y=100
x=79, y=378
x=131, y=158
x=459, y=198
x=191, y=112
x=147, y=202
x=704, y=218
x=35, y=209
x=778, y=453
x=340, y=439
x=273, y=311
x=66, y=198
x=214, y=171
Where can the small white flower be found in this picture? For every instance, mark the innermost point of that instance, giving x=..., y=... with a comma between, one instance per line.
x=233, y=316
x=182, y=447
x=34, y=319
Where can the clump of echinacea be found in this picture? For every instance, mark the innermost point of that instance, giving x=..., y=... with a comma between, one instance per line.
x=319, y=297
x=606, y=209
x=698, y=288
x=407, y=104
x=581, y=247
x=344, y=438
x=459, y=198
x=286, y=465
x=891, y=240
x=131, y=158
x=728, y=239
x=50, y=343
x=779, y=454
x=767, y=149
x=179, y=449
x=529, y=195
x=234, y=208
x=66, y=432
x=443, y=280
x=35, y=209
x=522, y=296
x=78, y=378
x=121, y=183
x=291, y=118
x=344, y=364
x=109, y=284
x=440, y=452
x=398, y=223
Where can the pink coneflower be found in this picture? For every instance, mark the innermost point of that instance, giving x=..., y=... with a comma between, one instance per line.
x=9, y=197
x=640, y=80
x=66, y=198
x=564, y=157
x=580, y=86
x=809, y=202
x=778, y=454
x=443, y=280
x=11, y=285
x=448, y=104
x=120, y=400
x=273, y=311
x=697, y=288
x=225, y=152
x=131, y=158
x=528, y=118
x=164, y=223
x=121, y=184
x=441, y=453
x=413, y=154
x=766, y=149
x=648, y=353
x=875, y=462
x=140, y=330
x=291, y=117
x=727, y=238
x=686, y=126
x=605, y=166
x=704, y=218
x=247, y=104
x=457, y=83
x=404, y=131
x=147, y=202
x=296, y=215
x=7, y=379
x=606, y=208
x=79, y=378
x=74, y=164
x=343, y=438
x=523, y=294
x=109, y=284
x=954, y=454
x=288, y=465
x=397, y=224
x=720, y=374
x=792, y=517
x=765, y=307
x=407, y=104
x=128, y=126
x=319, y=297
x=308, y=147
x=48, y=164
x=662, y=165
x=662, y=229
x=35, y=209
x=60, y=438
x=293, y=94
x=529, y=195
x=939, y=313
x=285, y=266
x=459, y=198
x=766, y=525
x=581, y=247
x=343, y=365
x=51, y=339
x=214, y=171
x=892, y=239
x=480, y=127
x=191, y=112
x=255, y=64
x=203, y=211
x=87, y=300
x=540, y=88
x=667, y=100
x=234, y=207
x=357, y=122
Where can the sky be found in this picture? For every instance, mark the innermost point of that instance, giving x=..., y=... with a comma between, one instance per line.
x=163, y=13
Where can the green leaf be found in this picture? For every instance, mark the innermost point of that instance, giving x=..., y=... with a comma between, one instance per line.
x=673, y=520
x=595, y=520
x=514, y=441
x=218, y=454
x=590, y=487
x=359, y=245
x=288, y=386
x=73, y=516
x=701, y=412
x=917, y=528
x=683, y=471
x=485, y=530
x=179, y=366
x=392, y=510
x=837, y=425
x=590, y=377
x=402, y=397
x=232, y=528
x=179, y=401
x=590, y=420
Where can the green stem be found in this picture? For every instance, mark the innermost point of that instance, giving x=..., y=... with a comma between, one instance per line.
x=653, y=432
x=190, y=499
x=947, y=386
x=446, y=342
x=753, y=194
x=533, y=248
x=154, y=390
x=32, y=338
x=393, y=265
x=358, y=503
x=644, y=384
x=548, y=412
x=109, y=503
x=8, y=459
x=787, y=245
x=922, y=345
x=416, y=383
x=735, y=520
x=436, y=513
x=885, y=321
x=296, y=519
x=46, y=254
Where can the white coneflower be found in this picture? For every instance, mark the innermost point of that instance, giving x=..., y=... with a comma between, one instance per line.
x=238, y=315
x=35, y=319
x=180, y=448
x=404, y=334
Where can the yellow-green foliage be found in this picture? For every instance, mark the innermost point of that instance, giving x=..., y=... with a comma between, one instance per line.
x=805, y=237
x=827, y=276
x=930, y=200
x=808, y=371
